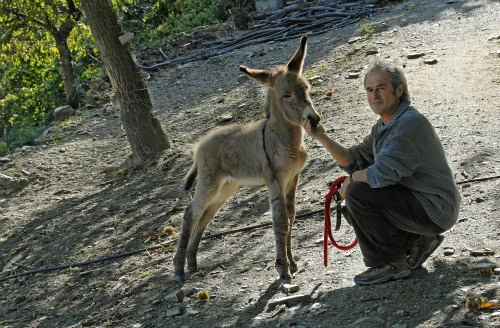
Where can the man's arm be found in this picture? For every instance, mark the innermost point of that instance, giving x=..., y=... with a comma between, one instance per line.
x=341, y=154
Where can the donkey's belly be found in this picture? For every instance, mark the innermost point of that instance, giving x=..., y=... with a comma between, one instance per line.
x=251, y=181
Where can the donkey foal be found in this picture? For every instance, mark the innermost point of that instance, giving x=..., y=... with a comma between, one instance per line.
x=269, y=152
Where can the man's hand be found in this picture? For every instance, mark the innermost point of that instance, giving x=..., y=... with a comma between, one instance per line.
x=313, y=132
x=343, y=188
x=356, y=176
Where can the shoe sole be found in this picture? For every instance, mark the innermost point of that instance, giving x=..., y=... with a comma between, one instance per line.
x=439, y=239
x=389, y=277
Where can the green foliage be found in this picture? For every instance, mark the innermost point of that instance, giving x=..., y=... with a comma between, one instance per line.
x=31, y=78
x=3, y=148
x=23, y=135
x=156, y=20
x=367, y=30
x=31, y=81
x=20, y=136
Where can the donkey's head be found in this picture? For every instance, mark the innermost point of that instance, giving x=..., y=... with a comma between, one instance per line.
x=288, y=89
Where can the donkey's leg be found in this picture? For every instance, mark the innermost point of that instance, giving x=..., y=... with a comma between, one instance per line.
x=280, y=226
x=226, y=191
x=195, y=209
x=290, y=210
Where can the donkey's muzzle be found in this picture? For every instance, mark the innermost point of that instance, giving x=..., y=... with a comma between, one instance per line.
x=314, y=120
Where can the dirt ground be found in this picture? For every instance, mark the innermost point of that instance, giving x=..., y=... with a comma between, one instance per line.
x=82, y=204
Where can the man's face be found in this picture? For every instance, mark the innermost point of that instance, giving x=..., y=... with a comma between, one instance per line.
x=382, y=97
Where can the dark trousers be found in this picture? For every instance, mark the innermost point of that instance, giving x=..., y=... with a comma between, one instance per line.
x=386, y=221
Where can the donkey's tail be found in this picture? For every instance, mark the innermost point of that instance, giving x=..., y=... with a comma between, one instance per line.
x=189, y=179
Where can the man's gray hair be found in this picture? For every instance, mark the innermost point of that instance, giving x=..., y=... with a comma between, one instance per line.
x=396, y=75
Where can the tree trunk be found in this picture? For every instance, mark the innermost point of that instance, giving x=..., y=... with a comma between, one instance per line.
x=72, y=98
x=144, y=132
x=6, y=137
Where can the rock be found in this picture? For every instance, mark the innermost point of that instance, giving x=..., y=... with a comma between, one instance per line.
x=371, y=51
x=415, y=55
x=289, y=288
x=482, y=253
x=19, y=299
x=5, y=159
x=354, y=40
x=371, y=322
x=353, y=75
x=288, y=301
x=175, y=311
x=449, y=251
x=224, y=118
x=63, y=112
x=10, y=185
x=177, y=296
x=430, y=61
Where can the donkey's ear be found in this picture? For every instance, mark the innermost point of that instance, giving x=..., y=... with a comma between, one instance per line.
x=262, y=76
x=297, y=62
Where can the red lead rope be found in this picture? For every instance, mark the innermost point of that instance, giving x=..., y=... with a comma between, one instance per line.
x=328, y=224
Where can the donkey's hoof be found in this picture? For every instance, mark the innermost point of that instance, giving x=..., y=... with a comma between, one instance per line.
x=179, y=279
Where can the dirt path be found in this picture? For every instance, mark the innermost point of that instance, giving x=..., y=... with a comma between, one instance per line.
x=82, y=205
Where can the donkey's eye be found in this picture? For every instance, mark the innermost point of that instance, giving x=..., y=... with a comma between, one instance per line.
x=287, y=96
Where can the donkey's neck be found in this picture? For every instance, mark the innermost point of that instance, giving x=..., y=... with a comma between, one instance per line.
x=280, y=125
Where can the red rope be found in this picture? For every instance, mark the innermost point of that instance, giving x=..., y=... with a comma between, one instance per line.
x=328, y=224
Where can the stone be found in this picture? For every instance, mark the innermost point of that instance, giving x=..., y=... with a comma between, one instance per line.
x=224, y=118
x=430, y=61
x=371, y=322
x=177, y=310
x=449, y=251
x=174, y=312
x=288, y=301
x=176, y=296
x=371, y=51
x=415, y=55
x=5, y=159
x=482, y=253
x=63, y=112
x=289, y=288
x=353, y=75
x=354, y=40
x=10, y=185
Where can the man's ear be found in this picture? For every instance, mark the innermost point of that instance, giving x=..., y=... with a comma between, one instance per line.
x=399, y=90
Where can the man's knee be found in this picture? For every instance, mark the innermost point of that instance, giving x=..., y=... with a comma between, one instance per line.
x=357, y=190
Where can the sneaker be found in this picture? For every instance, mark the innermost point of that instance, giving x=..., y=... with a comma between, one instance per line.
x=384, y=273
x=421, y=249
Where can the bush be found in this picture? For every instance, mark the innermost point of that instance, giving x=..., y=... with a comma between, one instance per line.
x=3, y=148
x=23, y=135
x=161, y=19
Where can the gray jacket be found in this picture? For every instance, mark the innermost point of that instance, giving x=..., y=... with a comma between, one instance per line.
x=407, y=151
